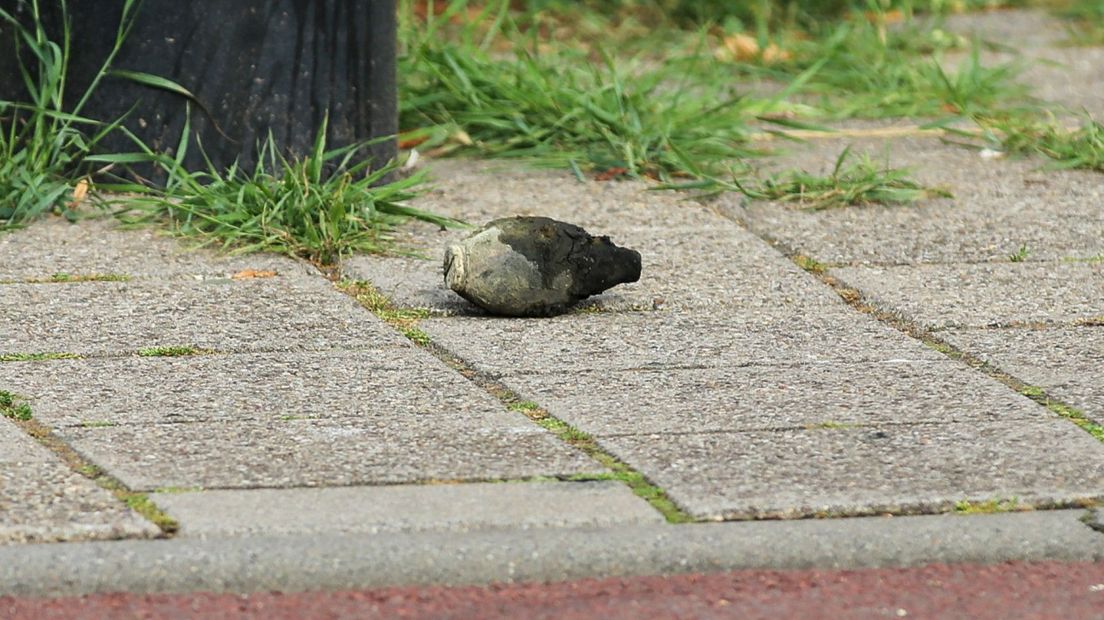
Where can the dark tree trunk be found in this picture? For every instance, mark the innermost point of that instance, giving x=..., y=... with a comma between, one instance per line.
x=255, y=66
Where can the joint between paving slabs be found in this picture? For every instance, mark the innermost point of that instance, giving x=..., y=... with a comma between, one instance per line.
x=855, y=299
x=406, y=322
x=137, y=501
x=62, y=277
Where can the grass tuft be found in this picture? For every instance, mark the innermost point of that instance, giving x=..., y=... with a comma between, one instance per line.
x=403, y=319
x=321, y=207
x=967, y=507
x=1078, y=148
x=861, y=182
x=44, y=147
x=37, y=357
x=173, y=351
x=14, y=406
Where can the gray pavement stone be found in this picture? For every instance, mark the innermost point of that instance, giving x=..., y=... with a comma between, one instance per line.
x=869, y=470
x=121, y=317
x=983, y=295
x=605, y=403
x=98, y=246
x=692, y=256
x=452, y=507
x=764, y=336
x=715, y=266
x=42, y=500
x=999, y=206
x=396, y=383
x=485, y=445
x=479, y=191
x=1066, y=362
x=343, y=561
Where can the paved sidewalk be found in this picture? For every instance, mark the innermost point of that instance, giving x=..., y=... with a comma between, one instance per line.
x=202, y=422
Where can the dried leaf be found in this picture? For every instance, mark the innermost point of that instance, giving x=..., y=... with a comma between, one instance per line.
x=250, y=274
x=79, y=192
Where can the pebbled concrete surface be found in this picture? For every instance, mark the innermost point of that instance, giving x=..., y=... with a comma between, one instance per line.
x=400, y=384
x=487, y=444
x=105, y=318
x=100, y=246
x=668, y=340
x=380, y=510
x=327, y=561
x=42, y=500
x=1066, y=361
x=983, y=295
x=999, y=206
x=677, y=400
x=907, y=468
x=741, y=385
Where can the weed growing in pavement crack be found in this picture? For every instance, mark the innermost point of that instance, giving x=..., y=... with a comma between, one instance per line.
x=172, y=351
x=1019, y=255
x=37, y=357
x=14, y=406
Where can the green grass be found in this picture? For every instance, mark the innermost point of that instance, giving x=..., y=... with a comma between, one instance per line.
x=321, y=207
x=1081, y=147
x=1072, y=414
x=859, y=182
x=559, y=108
x=14, y=406
x=1085, y=21
x=403, y=319
x=864, y=71
x=497, y=84
x=1020, y=255
x=44, y=145
x=172, y=351
x=37, y=357
x=61, y=278
x=990, y=506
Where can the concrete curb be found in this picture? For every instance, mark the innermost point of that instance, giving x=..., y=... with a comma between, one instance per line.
x=296, y=563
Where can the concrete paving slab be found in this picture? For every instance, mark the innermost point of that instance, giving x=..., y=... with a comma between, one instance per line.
x=1066, y=362
x=605, y=403
x=999, y=207
x=479, y=191
x=99, y=246
x=983, y=295
x=338, y=561
x=765, y=336
x=42, y=500
x=920, y=468
x=717, y=266
x=376, y=510
x=485, y=445
x=400, y=383
x=96, y=318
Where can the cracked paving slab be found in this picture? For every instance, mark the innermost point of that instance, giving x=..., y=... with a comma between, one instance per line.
x=998, y=207
x=389, y=509
x=99, y=246
x=42, y=500
x=983, y=294
x=103, y=318
x=1066, y=362
x=852, y=471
